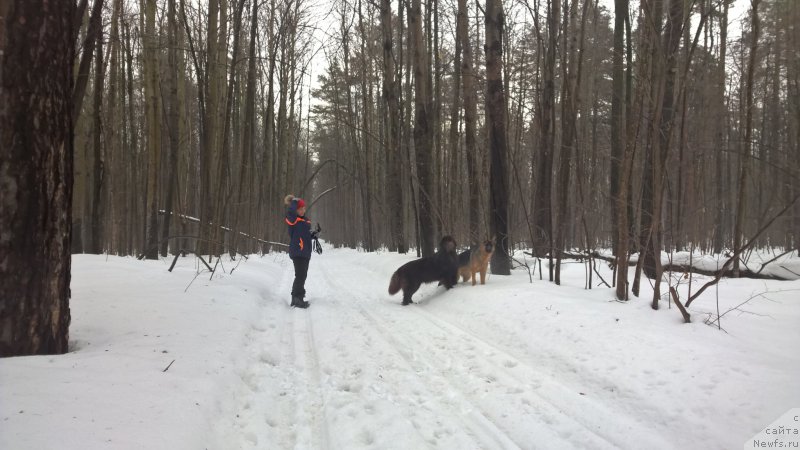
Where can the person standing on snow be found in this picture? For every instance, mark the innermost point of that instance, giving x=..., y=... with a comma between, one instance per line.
x=300, y=237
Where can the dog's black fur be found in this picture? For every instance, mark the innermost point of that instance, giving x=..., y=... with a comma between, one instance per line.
x=441, y=267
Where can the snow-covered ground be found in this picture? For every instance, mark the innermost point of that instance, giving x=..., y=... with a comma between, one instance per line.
x=166, y=360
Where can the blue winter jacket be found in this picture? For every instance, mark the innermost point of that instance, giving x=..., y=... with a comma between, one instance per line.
x=299, y=233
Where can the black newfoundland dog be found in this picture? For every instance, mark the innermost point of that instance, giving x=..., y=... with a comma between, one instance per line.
x=441, y=267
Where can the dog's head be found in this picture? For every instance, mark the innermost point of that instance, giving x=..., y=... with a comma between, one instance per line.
x=447, y=245
x=487, y=246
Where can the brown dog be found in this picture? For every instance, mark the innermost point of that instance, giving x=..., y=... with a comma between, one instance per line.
x=475, y=260
x=441, y=267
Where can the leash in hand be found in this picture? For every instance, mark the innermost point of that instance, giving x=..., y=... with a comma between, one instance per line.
x=315, y=245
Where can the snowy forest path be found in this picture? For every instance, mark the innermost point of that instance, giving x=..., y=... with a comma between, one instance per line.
x=282, y=351
x=358, y=370
x=476, y=381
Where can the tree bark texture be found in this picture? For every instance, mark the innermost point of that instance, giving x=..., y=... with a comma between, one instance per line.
x=393, y=155
x=36, y=85
x=738, y=233
x=498, y=145
x=152, y=116
x=543, y=205
x=423, y=131
x=476, y=231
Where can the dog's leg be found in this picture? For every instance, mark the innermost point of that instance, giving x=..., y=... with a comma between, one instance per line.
x=473, y=277
x=409, y=290
x=483, y=276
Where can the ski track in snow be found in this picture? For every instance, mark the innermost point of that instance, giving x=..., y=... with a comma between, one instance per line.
x=311, y=413
x=476, y=380
x=294, y=418
x=427, y=380
x=476, y=424
x=489, y=379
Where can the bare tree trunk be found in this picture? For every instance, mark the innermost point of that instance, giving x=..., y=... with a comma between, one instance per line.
x=270, y=153
x=660, y=137
x=132, y=173
x=722, y=134
x=620, y=187
x=248, y=132
x=543, y=211
x=224, y=190
x=210, y=128
x=407, y=135
x=394, y=185
x=83, y=240
x=282, y=150
x=36, y=56
x=470, y=115
x=366, y=185
x=498, y=147
x=172, y=124
x=114, y=198
x=153, y=130
x=441, y=205
x=452, y=194
x=423, y=131
x=569, y=118
x=98, y=158
x=748, y=134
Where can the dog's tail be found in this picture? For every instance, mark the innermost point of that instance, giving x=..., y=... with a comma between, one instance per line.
x=395, y=284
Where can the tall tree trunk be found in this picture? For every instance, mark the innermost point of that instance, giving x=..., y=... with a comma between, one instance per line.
x=36, y=87
x=82, y=215
x=738, y=230
x=366, y=184
x=224, y=189
x=248, y=131
x=470, y=114
x=219, y=178
x=441, y=205
x=98, y=158
x=115, y=196
x=453, y=160
x=498, y=147
x=619, y=155
x=153, y=130
x=569, y=118
x=270, y=153
x=407, y=135
x=722, y=134
x=132, y=174
x=543, y=211
x=210, y=128
x=173, y=126
x=394, y=186
x=423, y=130
x=660, y=138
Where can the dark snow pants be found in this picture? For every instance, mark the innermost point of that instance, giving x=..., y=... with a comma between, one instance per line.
x=300, y=274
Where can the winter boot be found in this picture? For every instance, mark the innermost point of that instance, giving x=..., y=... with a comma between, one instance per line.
x=298, y=302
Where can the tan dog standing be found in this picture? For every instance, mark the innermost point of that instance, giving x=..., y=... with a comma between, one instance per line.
x=475, y=260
